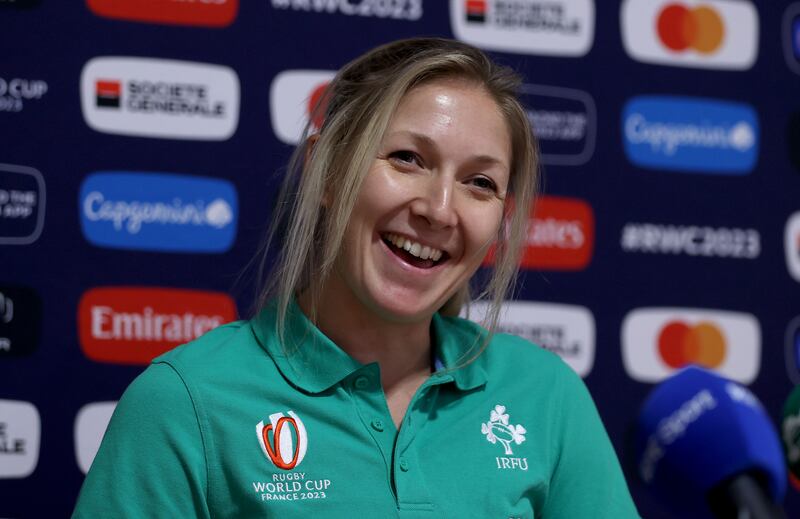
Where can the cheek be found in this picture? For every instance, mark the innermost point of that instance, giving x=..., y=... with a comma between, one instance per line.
x=379, y=192
x=483, y=227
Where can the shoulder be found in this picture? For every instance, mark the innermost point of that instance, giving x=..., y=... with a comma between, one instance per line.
x=212, y=361
x=224, y=342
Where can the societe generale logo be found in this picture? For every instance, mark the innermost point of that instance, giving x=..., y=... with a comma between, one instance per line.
x=292, y=98
x=160, y=98
x=132, y=325
x=20, y=436
x=90, y=426
x=566, y=330
x=791, y=241
x=714, y=34
x=560, y=235
x=547, y=27
x=201, y=13
x=658, y=341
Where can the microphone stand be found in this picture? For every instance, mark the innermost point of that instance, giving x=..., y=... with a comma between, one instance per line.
x=742, y=497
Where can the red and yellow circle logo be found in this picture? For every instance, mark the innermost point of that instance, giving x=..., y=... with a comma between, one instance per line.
x=680, y=344
x=681, y=28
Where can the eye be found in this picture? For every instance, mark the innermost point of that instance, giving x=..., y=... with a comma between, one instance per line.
x=484, y=184
x=405, y=158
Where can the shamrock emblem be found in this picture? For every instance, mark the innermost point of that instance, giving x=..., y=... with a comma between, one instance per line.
x=498, y=429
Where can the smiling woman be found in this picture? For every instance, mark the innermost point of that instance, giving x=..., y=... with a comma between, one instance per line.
x=356, y=389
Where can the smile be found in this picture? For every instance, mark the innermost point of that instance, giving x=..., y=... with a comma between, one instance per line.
x=417, y=254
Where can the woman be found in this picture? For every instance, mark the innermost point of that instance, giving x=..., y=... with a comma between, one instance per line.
x=357, y=390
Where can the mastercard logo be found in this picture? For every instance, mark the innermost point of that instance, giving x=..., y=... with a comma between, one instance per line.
x=711, y=34
x=791, y=245
x=681, y=28
x=680, y=344
x=658, y=341
x=293, y=96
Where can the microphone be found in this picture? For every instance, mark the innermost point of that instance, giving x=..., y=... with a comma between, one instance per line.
x=790, y=433
x=706, y=448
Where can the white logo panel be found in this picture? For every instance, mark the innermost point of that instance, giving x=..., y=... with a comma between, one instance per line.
x=20, y=435
x=289, y=97
x=90, y=426
x=725, y=34
x=643, y=330
x=791, y=242
x=567, y=330
x=552, y=27
x=160, y=98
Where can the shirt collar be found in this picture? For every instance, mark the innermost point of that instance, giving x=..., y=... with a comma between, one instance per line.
x=314, y=363
x=456, y=342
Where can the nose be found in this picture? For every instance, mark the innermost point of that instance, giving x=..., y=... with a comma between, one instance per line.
x=435, y=203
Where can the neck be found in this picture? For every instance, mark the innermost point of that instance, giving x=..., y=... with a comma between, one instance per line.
x=402, y=349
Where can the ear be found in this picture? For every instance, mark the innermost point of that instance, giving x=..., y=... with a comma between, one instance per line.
x=310, y=143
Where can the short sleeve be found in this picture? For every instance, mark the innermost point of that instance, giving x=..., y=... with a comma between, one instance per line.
x=587, y=480
x=151, y=462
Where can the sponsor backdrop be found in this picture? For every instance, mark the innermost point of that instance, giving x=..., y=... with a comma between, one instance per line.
x=143, y=143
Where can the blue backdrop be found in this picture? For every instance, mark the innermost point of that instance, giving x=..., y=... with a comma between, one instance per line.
x=141, y=144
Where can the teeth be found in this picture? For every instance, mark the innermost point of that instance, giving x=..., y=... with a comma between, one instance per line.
x=414, y=248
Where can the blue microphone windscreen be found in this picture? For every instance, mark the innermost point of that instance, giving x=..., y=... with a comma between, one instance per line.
x=698, y=429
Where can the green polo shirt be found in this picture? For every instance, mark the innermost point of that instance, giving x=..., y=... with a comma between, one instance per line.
x=230, y=425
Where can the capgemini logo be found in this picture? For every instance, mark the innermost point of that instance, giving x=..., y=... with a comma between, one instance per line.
x=284, y=449
x=697, y=135
x=219, y=213
x=497, y=429
x=158, y=211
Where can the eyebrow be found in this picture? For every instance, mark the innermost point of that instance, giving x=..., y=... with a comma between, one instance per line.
x=430, y=143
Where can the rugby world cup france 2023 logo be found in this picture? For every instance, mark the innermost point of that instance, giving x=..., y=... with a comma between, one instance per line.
x=283, y=440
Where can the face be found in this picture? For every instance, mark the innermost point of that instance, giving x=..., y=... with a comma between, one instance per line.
x=430, y=205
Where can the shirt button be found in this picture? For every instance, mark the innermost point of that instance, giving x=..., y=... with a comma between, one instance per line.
x=377, y=425
x=403, y=465
x=362, y=382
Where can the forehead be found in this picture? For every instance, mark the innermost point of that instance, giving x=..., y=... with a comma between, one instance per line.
x=453, y=110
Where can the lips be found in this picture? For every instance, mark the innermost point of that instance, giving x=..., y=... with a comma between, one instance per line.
x=414, y=253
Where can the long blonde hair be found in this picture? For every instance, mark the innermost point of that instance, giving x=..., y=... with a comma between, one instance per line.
x=323, y=180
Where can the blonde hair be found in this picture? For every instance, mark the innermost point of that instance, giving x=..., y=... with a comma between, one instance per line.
x=327, y=169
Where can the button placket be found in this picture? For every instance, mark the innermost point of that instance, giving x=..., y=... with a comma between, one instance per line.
x=371, y=408
x=412, y=491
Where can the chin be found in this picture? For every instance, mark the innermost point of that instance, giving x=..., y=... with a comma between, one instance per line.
x=403, y=310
